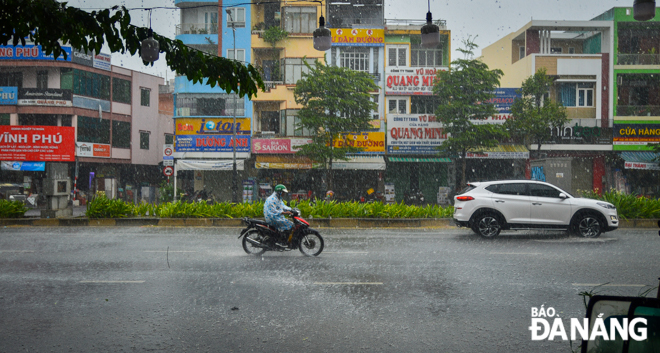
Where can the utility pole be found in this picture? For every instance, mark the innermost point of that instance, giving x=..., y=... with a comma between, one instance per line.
x=234, y=197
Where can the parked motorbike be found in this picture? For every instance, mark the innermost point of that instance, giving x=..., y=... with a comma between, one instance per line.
x=259, y=237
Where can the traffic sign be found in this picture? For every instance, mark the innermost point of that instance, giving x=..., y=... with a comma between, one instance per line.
x=168, y=162
x=168, y=171
x=168, y=149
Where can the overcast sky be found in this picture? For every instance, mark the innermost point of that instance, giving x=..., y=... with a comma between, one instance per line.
x=489, y=20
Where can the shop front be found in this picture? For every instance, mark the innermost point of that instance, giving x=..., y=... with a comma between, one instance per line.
x=640, y=174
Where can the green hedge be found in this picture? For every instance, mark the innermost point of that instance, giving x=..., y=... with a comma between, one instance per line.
x=627, y=206
x=12, y=209
x=101, y=207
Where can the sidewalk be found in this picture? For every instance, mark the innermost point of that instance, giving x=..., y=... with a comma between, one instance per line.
x=78, y=211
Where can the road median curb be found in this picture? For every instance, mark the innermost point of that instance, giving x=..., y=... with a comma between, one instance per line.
x=237, y=222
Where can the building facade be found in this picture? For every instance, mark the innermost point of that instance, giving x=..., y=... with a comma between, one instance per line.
x=413, y=132
x=117, y=132
x=605, y=72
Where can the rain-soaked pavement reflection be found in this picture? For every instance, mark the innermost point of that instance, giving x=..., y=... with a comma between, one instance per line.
x=176, y=289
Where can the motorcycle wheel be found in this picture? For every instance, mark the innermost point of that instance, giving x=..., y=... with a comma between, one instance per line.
x=251, y=248
x=311, y=243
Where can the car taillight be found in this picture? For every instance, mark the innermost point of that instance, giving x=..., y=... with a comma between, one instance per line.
x=464, y=198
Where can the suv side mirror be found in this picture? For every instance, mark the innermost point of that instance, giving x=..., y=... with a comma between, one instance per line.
x=563, y=196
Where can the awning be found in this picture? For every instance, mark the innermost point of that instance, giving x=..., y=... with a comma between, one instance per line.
x=285, y=162
x=200, y=164
x=640, y=160
x=360, y=163
x=423, y=160
x=502, y=152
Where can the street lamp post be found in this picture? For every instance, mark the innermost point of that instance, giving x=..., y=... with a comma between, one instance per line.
x=234, y=196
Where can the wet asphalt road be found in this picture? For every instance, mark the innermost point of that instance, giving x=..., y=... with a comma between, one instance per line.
x=404, y=290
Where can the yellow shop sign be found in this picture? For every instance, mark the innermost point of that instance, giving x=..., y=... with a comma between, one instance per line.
x=358, y=37
x=210, y=126
x=370, y=142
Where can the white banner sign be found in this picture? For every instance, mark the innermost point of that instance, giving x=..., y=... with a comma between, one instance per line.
x=191, y=164
x=410, y=80
x=414, y=134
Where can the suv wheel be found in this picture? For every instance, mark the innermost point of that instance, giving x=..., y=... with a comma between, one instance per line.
x=487, y=225
x=588, y=226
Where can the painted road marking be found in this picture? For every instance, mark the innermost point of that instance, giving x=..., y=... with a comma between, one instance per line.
x=515, y=253
x=16, y=250
x=169, y=251
x=608, y=285
x=346, y=252
x=350, y=283
x=111, y=282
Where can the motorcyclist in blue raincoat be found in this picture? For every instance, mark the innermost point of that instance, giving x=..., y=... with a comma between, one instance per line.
x=275, y=209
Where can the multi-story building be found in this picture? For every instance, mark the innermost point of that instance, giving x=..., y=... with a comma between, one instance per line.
x=413, y=133
x=118, y=133
x=578, y=55
x=282, y=64
x=606, y=73
x=204, y=116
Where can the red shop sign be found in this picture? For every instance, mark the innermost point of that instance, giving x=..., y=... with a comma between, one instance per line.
x=37, y=143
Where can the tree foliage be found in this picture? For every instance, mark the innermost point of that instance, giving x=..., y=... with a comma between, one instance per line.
x=51, y=24
x=335, y=101
x=461, y=92
x=534, y=113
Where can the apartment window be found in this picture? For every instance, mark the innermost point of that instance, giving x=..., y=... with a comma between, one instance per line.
x=236, y=17
x=585, y=93
x=121, y=134
x=557, y=50
x=571, y=50
x=85, y=83
x=300, y=19
x=426, y=57
x=11, y=79
x=144, y=140
x=239, y=55
x=270, y=121
x=145, y=96
x=397, y=56
x=4, y=119
x=294, y=69
x=93, y=130
x=423, y=104
x=397, y=106
x=42, y=79
x=169, y=139
x=521, y=52
x=577, y=94
x=121, y=90
x=354, y=58
x=211, y=22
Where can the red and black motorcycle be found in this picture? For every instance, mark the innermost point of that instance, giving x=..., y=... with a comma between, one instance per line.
x=259, y=237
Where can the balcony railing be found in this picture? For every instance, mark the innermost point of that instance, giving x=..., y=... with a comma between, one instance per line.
x=638, y=110
x=638, y=59
x=400, y=24
x=272, y=84
x=197, y=28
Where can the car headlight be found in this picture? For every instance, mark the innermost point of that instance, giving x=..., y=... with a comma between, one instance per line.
x=607, y=205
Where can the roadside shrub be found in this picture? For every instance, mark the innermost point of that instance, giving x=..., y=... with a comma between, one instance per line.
x=627, y=206
x=12, y=209
x=102, y=207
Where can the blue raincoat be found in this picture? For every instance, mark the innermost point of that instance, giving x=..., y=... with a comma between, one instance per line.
x=273, y=209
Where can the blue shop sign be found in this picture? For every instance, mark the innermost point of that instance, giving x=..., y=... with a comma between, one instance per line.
x=30, y=52
x=24, y=166
x=211, y=143
x=8, y=95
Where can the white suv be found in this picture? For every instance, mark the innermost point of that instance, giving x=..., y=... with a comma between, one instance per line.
x=490, y=207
